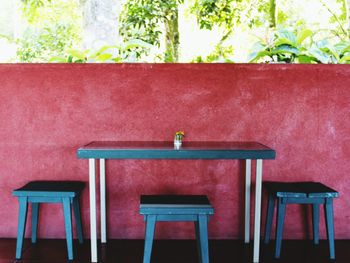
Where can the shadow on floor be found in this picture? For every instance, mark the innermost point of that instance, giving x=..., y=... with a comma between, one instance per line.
x=172, y=251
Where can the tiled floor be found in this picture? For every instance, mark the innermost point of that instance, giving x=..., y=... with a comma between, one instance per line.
x=172, y=251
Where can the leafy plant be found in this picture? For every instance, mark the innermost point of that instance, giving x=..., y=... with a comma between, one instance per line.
x=37, y=45
x=110, y=54
x=289, y=47
x=219, y=54
x=284, y=46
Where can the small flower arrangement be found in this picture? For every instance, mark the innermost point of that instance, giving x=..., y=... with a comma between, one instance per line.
x=179, y=135
x=178, y=139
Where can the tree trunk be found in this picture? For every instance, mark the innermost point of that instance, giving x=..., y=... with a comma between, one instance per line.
x=100, y=23
x=172, y=37
x=273, y=13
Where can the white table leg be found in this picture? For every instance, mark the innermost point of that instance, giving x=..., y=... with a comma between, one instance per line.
x=248, y=172
x=93, y=229
x=103, y=200
x=258, y=183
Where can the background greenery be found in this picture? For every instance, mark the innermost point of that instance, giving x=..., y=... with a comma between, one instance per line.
x=51, y=27
x=255, y=31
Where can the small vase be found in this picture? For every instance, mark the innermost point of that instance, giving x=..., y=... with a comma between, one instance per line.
x=177, y=144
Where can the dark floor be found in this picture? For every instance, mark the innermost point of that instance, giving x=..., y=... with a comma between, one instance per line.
x=173, y=251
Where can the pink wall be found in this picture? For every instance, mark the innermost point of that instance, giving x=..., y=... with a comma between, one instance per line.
x=48, y=111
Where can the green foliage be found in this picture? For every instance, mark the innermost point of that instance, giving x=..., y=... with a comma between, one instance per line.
x=229, y=13
x=105, y=54
x=150, y=31
x=220, y=54
x=30, y=8
x=145, y=19
x=290, y=47
x=53, y=27
x=340, y=32
x=38, y=45
x=212, y=12
x=226, y=16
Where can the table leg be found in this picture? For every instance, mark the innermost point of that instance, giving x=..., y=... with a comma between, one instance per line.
x=258, y=183
x=248, y=172
x=103, y=200
x=93, y=229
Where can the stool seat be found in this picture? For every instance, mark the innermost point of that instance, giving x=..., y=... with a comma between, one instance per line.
x=36, y=192
x=196, y=208
x=300, y=189
x=175, y=204
x=313, y=193
x=50, y=188
x=174, y=200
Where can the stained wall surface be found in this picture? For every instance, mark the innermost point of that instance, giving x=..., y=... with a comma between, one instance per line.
x=47, y=111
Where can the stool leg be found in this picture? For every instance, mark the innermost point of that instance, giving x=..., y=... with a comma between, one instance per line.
x=22, y=218
x=269, y=218
x=149, y=235
x=330, y=226
x=281, y=211
x=196, y=224
x=35, y=215
x=203, y=236
x=76, y=208
x=315, y=222
x=68, y=226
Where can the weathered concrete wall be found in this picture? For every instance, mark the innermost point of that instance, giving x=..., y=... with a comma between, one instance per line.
x=47, y=111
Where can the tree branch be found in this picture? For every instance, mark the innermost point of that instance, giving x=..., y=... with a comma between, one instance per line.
x=336, y=18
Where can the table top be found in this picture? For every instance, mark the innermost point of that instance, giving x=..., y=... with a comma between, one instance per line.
x=166, y=150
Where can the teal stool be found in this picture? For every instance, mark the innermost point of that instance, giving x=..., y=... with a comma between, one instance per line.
x=313, y=193
x=65, y=192
x=196, y=208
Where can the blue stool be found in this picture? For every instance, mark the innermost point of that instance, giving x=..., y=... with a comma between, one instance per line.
x=300, y=193
x=196, y=208
x=65, y=192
